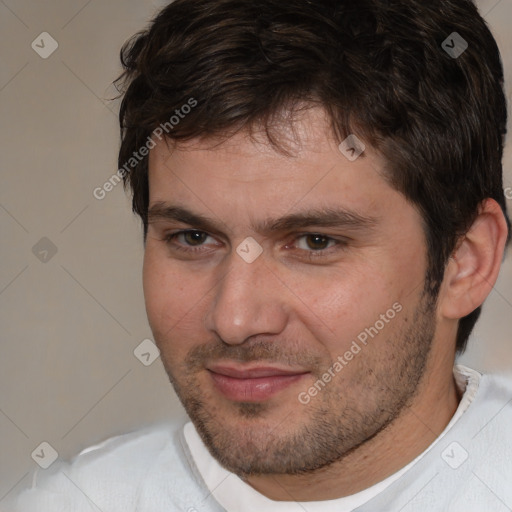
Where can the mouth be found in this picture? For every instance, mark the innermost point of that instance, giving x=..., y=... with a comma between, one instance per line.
x=252, y=384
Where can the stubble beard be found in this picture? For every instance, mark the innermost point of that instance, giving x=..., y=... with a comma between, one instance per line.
x=342, y=417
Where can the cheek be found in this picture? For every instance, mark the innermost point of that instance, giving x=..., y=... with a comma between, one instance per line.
x=163, y=291
x=174, y=298
x=345, y=310
x=339, y=309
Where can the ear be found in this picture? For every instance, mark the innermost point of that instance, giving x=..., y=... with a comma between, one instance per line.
x=474, y=266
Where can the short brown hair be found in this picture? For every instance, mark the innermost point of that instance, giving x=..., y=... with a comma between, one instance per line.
x=379, y=70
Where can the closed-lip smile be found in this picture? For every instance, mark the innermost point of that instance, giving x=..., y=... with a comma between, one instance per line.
x=252, y=383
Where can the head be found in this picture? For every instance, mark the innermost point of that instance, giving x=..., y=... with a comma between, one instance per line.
x=244, y=106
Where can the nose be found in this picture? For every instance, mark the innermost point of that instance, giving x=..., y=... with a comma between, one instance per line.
x=250, y=300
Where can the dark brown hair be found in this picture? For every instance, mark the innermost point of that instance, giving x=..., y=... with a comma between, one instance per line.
x=379, y=68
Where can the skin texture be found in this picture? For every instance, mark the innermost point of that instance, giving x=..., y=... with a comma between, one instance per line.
x=300, y=311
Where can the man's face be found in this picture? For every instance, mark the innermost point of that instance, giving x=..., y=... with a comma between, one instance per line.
x=288, y=361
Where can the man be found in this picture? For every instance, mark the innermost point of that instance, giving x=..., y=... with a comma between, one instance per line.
x=320, y=185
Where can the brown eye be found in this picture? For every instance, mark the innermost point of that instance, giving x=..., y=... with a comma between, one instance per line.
x=194, y=237
x=318, y=247
x=188, y=241
x=317, y=242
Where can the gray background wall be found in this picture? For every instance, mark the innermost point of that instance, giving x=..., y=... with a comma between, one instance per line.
x=72, y=320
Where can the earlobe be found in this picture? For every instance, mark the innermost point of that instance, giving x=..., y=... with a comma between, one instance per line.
x=474, y=266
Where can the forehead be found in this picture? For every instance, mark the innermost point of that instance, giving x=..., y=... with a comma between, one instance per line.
x=290, y=134
x=247, y=174
x=303, y=140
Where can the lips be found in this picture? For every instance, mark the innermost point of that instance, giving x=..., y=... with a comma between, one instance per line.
x=254, y=384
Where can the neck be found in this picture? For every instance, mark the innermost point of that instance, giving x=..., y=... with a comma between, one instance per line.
x=409, y=435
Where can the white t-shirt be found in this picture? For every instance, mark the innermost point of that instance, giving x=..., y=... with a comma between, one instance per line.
x=234, y=494
x=163, y=469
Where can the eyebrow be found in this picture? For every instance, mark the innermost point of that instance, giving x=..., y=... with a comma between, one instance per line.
x=321, y=217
